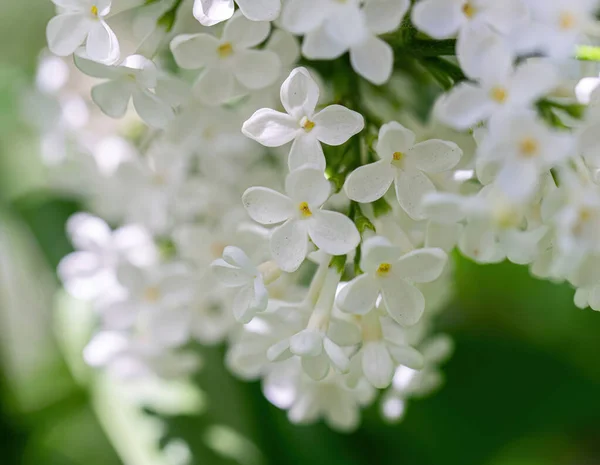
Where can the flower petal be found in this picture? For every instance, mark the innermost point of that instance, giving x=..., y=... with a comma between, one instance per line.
x=385, y=16
x=393, y=137
x=333, y=232
x=377, y=364
x=260, y=10
x=336, y=355
x=434, y=155
x=439, y=19
x=289, y=245
x=193, y=51
x=369, y=182
x=306, y=343
x=151, y=109
x=230, y=275
x=66, y=32
x=215, y=86
x=421, y=265
x=316, y=367
x=403, y=301
x=466, y=105
x=243, y=33
x=359, y=295
x=271, y=128
x=411, y=186
x=211, y=12
x=302, y=16
x=299, y=93
x=102, y=44
x=308, y=185
x=306, y=150
x=256, y=69
x=267, y=206
x=319, y=45
x=407, y=356
x=377, y=250
x=112, y=97
x=336, y=124
x=373, y=59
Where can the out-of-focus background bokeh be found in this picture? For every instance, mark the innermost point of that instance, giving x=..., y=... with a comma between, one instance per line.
x=523, y=387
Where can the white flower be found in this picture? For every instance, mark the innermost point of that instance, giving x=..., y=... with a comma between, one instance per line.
x=404, y=163
x=389, y=273
x=236, y=270
x=521, y=148
x=230, y=66
x=333, y=125
x=83, y=21
x=500, y=89
x=211, y=12
x=331, y=28
x=131, y=80
x=302, y=217
x=442, y=19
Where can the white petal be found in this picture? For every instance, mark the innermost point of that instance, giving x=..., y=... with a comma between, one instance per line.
x=359, y=295
x=403, y=301
x=444, y=207
x=280, y=351
x=306, y=343
x=193, y=51
x=102, y=44
x=435, y=156
x=336, y=124
x=230, y=275
x=440, y=19
x=421, y=265
x=377, y=250
x=333, y=232
x=95, y=69
x=267, y=206
x=88, y=232
x=411, y=186
x=215, y=86
x=318, y=45
x=286, y=46
x=369, y=182
x=344, y=333
x=393, y=137
x=483, y=53
x=385, y=16
x=336, y=355
x=289, y=245
x=256, y=69
x=260, y=10
x=347, y=25
x=532, y=80
x=299, y=93
x=466, y=105
x=244, y=33
x=316, y=367
x=66, y=32
x=112, y=97
x=151, y=109
x=211, y=12
x=302, y=16
x=443, y=236
x=378, y=366
x=271, y=128
x=407, y=356
x=308, y=185
x=249, y=301
x=306, y=150
x=373, y=59
x=518, y=180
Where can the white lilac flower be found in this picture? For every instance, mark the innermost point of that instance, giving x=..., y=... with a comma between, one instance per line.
x=333, y=125
x=405, y=164
x=236, y=270
x=82, y=21
x=230, y=65
x=521, y=148
x=442, y=19
x=500, y=89
x=135, y=79
x=302, y=217
x=90, y=271
x=390, y=274
x=211, y=12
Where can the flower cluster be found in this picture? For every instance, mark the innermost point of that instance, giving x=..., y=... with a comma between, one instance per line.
x=248, y=186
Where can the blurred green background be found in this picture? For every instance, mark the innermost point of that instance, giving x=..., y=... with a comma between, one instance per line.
x=523, y=387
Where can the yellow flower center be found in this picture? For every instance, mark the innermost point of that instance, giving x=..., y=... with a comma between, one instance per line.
x=384, y=269
x=94, y=11
x=468, y=10
x=397, y=156
x=529, y=147
x=152, y=294
x=567, y=21
x=307, y=124
x=305, y=210
x=499, y=94
x=584, y=217
x=225, y=50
